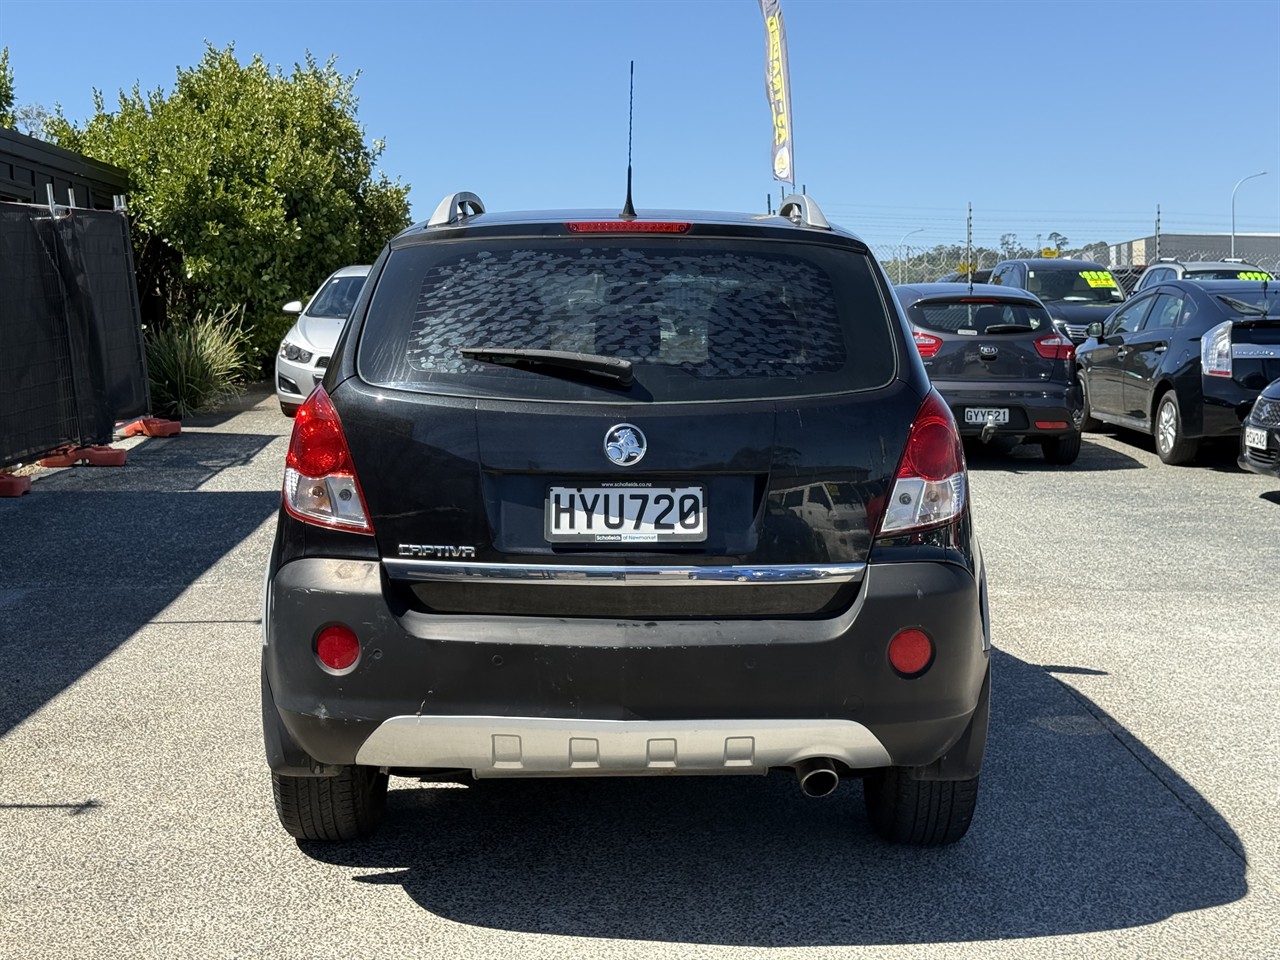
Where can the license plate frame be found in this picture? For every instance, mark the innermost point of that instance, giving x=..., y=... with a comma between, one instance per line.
x=979, y=416
x=1255, y=438
x=625, y=513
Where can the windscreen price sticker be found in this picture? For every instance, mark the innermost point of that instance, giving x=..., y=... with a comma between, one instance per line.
x=1252, y=275
x=1098, y=278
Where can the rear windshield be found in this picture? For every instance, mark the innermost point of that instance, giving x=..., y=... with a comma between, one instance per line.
x=978, y=318
x=1072, y=285
x=336, y=298
x=700, y=319
x=1227, y=273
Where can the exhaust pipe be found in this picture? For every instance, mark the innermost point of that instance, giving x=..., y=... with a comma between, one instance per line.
x=817, y=776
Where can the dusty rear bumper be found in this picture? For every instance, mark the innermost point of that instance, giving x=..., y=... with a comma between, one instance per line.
x=545, y=747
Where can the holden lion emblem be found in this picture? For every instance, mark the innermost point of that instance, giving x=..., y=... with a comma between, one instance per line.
x=625, y=444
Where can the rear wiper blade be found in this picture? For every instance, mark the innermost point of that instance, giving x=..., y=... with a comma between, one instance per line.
x=1009, y=328
x=614, y=368
x=1241, y=307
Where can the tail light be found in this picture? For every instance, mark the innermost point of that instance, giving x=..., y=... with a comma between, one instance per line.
x=1056, y=347
x=927, y=345
x=1215, y=351
x=320, y=484
x=929, y=489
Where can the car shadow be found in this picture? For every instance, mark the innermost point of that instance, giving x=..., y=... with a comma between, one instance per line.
x=1271, y=496
x=1079, y=829
x=1027, y=458
x=92, y=555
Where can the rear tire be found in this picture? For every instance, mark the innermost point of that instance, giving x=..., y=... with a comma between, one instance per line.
x=349, y=806
x=920, y=813
x=1172, y=445
x=1061, y=450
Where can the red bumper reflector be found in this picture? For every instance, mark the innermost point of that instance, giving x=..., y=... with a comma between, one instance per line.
x=1051, y=424
x=910, y=652
x=337, y=647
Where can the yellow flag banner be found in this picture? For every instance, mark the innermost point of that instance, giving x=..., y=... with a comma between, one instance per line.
x=778, y=89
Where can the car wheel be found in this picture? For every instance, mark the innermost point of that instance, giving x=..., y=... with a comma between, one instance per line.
x=288, y=409
x=919, y=813
x=1061, y=450
x=349, y=806
x=1087, y=422
x=1172, y=446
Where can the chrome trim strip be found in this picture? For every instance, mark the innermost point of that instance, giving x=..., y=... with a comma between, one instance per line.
x=608, y=576
x=549, y=747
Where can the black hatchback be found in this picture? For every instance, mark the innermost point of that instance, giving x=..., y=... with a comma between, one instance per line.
x=994, y=355
x=586, y=494
x=1183, y=361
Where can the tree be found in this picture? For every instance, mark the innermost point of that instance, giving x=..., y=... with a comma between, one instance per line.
x=1009, y=246
x=6, y=89
x=1058, y=241
x=248, y=186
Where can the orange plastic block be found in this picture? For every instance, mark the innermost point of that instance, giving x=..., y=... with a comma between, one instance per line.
x=63, y=458
x=153, y=427
x=103, y=456
x=11, y=486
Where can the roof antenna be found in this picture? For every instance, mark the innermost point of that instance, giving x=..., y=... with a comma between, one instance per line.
x=628, y=209
x=968, y=249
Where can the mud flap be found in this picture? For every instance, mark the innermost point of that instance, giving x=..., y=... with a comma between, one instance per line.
x=284, y=756
x=963, y=759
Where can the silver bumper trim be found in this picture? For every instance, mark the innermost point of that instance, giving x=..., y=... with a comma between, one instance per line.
x=598, y=575
x=547, y=747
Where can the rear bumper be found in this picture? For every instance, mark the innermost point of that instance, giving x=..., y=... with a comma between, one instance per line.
x=513, y=696
x=1027, y=403
x=1226, y=405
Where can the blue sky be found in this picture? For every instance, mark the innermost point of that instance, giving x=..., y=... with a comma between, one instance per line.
x=1078, y=117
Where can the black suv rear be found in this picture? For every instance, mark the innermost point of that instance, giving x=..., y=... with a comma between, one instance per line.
x=541, y=519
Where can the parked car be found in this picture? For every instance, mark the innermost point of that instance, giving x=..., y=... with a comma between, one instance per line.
x=1076, y=292
x=1260, y=438
x=539, y=520
x=1182, y=361
x=994, y=355
x=1166, y=269
x=305, y=350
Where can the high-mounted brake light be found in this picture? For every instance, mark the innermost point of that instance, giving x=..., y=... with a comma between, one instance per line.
x=320, y=484
x=927, y=345
x=931, y=486
x=1056, y=347
x=1215, y=351
x=626, y=226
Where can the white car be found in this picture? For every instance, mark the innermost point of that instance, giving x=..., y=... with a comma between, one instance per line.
x=306, y=348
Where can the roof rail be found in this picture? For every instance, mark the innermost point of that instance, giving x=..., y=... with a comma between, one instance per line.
x=800, y=210
x=454, y=208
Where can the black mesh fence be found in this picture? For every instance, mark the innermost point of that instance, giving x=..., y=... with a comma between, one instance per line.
x=71, y=351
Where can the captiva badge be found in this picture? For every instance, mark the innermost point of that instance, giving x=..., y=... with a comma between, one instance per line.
x=625, y=444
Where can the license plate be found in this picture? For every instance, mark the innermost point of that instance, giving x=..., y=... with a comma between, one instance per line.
x=1253, y=437
x=985, y=414
x=626, y=513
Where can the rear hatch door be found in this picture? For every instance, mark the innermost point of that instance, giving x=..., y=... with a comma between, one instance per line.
x=762, y=422
x=985, y=340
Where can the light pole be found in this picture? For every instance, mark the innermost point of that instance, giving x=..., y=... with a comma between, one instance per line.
x=1233, y=207
x=900, y=243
